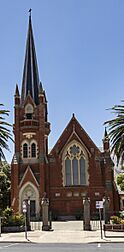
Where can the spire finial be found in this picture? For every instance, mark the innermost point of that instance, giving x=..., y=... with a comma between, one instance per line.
x=40, y=88
x=30, y=10
x=17, y=91
x=106, y=132
x=106, y=135
x=106, y=146
x=30, y=79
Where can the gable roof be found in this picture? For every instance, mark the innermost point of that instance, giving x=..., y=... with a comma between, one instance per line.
x=74, y=130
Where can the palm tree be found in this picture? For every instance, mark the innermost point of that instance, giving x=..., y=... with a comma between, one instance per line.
x=5, y=134
x=116, y=132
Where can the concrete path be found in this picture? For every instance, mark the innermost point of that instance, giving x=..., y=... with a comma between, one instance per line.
x=63, y=232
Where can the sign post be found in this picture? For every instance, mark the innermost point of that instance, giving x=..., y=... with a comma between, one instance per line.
x=0, y=226
x=24, y=208
x=99, y=205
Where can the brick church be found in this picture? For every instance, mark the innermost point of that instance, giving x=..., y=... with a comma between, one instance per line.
x=74, y=168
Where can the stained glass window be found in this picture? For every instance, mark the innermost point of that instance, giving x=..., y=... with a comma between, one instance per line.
x=82, y=171
x=75, y=171
x=75, y=166
x=68, y=171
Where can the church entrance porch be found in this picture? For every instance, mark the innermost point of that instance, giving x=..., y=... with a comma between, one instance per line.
x=29, y=193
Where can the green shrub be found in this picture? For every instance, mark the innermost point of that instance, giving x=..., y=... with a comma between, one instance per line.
x=122, y=221
x=122, y=214
x=10, y=219
x=120, y=179
x=7, y=212
x=115, y=219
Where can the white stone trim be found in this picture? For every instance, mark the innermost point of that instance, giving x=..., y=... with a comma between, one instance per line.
x=29, y=143
x=34, y=196
x=29, y=109
x=79, y=140
x=24, y=142
x=28, y=168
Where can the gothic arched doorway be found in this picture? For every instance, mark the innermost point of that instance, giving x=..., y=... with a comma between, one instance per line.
x=29, y=193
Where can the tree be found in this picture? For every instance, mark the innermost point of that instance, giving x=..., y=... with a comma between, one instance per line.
x=120, y=181
x=5, y=134
x=116, y=132
x=4, y=185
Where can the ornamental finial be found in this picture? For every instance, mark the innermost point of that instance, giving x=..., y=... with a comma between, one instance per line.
x=30, y=10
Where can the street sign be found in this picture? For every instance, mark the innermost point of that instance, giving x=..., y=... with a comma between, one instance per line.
x=99, y=204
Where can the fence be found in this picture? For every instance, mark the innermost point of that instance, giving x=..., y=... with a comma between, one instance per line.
x=95, y=224
x=36, y=225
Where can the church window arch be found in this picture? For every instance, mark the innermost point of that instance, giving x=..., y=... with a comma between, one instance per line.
x=29, y=111
x=25, y=150
x=75, y=165
x=29, y=149
x=33, y=150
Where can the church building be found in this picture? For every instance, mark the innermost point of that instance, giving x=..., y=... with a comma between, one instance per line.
x=74, y=168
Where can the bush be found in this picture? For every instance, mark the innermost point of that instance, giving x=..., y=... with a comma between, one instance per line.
x=120, y=181
x=122, y=214
x=10, y=219
x=115, y=219
x=122, y=221
x=7, y=212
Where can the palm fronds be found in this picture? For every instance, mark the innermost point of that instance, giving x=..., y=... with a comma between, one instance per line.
x=5, y=133
x=116, y=132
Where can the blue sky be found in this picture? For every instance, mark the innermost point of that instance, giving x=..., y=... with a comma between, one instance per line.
x=80, y=52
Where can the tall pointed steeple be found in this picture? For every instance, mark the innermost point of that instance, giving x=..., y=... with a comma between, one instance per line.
x=106, y=135
x=30, y=81
x=106, y=146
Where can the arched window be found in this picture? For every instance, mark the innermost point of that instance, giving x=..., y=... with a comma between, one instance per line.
x=33, y=150
x=68, y=171
x=75, y=165
x=25, y=150
x=29, y=111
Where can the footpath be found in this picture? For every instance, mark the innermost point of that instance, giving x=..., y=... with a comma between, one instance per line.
x=63, y=232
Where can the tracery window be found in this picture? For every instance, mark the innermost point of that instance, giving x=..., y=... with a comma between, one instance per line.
x=25, y=150
x=75, y=165
x=29, y=149
x=33, y=150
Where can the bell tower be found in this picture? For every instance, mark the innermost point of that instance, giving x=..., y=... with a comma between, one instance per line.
x=31, y=129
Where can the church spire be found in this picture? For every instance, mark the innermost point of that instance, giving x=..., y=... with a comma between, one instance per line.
x=30, y=81
x=106, y=141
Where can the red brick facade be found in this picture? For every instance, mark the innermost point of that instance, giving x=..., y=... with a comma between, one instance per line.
x=75, y=167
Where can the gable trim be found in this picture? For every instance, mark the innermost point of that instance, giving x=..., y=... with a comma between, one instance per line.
x=84, y=146
x=28, y=169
